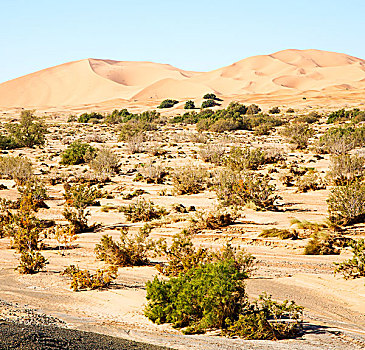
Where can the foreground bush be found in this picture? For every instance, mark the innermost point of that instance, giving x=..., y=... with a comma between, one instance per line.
x=354, y=267
x=212, y=296
x=346, y=204
x=77, y=153
x=130, y=251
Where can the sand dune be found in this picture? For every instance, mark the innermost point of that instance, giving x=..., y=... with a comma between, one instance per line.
x=94, y=81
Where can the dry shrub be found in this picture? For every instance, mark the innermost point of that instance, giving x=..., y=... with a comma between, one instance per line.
x=278, y=233
x=198, y=138
x=346, y=204
x=105, y=163
x=298, y=134
x=142, y=210
x=245, y=158
x=153, y=173
x=31, y=262
x=311, y=181
x=65, y=236
x=212, y=153
x=189, y=180
x=325, y=243
x=241, y=188
x=345, y=168
x=17, y=168
x=211, y=220
x=83, y=279
x=130, y=251
x=135, y=144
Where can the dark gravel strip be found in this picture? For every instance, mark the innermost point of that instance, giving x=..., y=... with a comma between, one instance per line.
x=35, y=337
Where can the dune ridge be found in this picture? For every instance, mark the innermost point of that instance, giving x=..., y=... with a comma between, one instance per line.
x=91, y=81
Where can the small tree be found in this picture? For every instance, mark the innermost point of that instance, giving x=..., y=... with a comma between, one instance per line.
x=29, y=131
x=298, y=134
x=210, y=96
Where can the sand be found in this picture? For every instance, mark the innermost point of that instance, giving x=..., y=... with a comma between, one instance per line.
x=285, y=76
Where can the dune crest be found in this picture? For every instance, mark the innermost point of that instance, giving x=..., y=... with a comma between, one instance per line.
x=93, y=81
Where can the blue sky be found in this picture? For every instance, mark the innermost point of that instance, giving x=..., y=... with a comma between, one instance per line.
x=195, y=35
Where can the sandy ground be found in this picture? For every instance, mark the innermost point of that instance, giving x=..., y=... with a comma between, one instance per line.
x=334, y=308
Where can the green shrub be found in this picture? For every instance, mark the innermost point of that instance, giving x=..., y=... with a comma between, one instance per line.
x=7, y=142
x=83, y=279
x=354, y=267
x=167, y=103
x=210, y=96
x=130, y=251
x=29, y=131
x=212, y=296
x=298, y=134
x=274, y=110
x=341, y=140
x=346, y=204
x=88, y=117
x=142, y=210
x=189, y=105
x=209, y=103
x=201, y=298
x=77, y=153
x=189, y=180
x=342, y=115
x=222, y=125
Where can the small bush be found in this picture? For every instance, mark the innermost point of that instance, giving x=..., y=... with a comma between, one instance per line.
x=209, y=103
x=105, y=163
x=311, y=181
x=168, y=103
x=346, y=204
x=142, y=210
x=189, y=180
x=298, y=134
x=89, y=117
x=345, y=168
x=211, y=220
x=83, y=279
x=210, y=96
x=354, y=267
x=135, y=144
x=189, y=105
x=253, y=109
x=130, y=251
x=77, y=153
x=241, y=188
x=31, y=262
x=268, y=319
x=17, y=168
x=212, y=153
x=153, y=173
x=245, y=158
x=274, y=110
x=324, y=243
x=279, y=233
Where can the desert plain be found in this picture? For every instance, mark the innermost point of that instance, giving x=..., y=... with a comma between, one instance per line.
x=305, y=81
